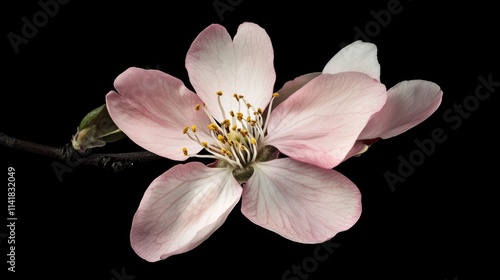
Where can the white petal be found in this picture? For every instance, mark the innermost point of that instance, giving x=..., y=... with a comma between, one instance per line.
x=152, y=108
x=181, y=209
x=320, y=122
x=243, y=66
x=299, y=201
x=357, y=57
x=292, y=86
x=408, y=104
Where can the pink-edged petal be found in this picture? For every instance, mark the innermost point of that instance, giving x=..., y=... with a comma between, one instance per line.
x=292, y=86
x=358, y=57
x=408, y=104
x=243, y=66
x=320, y=122
x=181, y=209
x=152, y=108
x=299, y=201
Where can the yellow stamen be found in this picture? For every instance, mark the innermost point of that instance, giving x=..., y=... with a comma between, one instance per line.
x=213, y=127
x=240, y=116
x=226, y=152
x=276, y=94
x=235, y=140
x=226, y=123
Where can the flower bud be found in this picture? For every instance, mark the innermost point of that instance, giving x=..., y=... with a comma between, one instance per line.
x=95, y=130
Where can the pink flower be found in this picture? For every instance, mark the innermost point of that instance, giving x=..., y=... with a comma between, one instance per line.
x=408, y=102
x=298, y=197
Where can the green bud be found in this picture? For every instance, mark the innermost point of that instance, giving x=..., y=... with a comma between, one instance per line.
x=95, y=130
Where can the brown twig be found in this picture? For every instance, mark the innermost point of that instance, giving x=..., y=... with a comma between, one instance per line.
x=115, y=162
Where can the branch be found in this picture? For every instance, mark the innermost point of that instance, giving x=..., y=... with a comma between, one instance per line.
x=115, y=162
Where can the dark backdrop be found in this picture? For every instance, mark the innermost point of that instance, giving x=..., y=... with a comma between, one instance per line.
x=436, y=222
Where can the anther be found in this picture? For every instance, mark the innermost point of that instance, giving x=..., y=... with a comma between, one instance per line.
x=213, y=127
x=226, y=152
x=221, y=138
x=226, y=123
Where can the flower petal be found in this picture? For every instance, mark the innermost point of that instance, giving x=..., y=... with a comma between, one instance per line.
x=357, y=57
x=357, y=149
x=292, y=86
x=243, y=66
x=408, y=104
x=299, y=201
x=320, y=122
x=181, y=209
x=152, y=108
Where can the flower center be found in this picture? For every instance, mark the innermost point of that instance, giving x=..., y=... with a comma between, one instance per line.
x=237, y=141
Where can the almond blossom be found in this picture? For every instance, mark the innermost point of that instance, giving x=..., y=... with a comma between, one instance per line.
x=296, y=195
x=408, y=102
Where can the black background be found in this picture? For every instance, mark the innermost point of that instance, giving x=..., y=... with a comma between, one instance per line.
x=437, y=224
